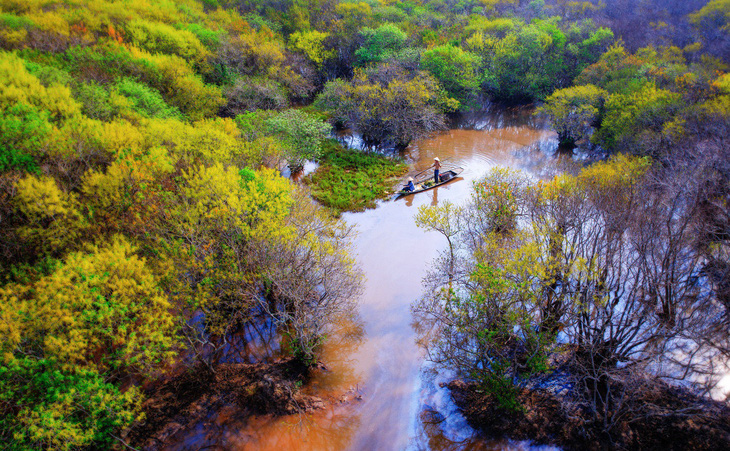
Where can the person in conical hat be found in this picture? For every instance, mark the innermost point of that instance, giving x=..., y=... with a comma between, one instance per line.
x=409, y=187
x=436, y=169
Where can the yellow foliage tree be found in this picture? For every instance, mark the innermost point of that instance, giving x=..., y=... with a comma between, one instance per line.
x=100, y=310
x=19, y=86
x=52, y=220
x=207, y=141
x=219, y=198
x=311, y=44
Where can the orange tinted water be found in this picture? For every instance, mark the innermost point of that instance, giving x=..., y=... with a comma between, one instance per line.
x=376, y=358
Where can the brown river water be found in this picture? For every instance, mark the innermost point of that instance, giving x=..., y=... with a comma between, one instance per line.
x=391, y=394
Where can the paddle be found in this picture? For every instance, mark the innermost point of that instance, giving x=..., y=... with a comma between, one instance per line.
x=416, y=175
x=430, y=167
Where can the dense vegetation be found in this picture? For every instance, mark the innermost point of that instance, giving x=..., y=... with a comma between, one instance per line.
x=599, y=275
x=143, y=220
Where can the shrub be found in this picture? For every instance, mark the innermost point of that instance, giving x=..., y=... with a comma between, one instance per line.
x=146, y=100
x=98, y=103
x=24, y=130
x=251, y=94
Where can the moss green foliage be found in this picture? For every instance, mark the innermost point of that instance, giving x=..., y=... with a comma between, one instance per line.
x=348, y=180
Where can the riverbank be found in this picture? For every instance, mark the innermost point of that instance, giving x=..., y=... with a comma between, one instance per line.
x=243, y=390
x=659, y=420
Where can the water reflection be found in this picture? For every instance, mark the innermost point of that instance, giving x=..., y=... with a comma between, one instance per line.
x=225, y=427
x=442, y=427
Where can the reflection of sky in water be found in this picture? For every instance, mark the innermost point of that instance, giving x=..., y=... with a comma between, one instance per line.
x=723, y=387
x=385, y=366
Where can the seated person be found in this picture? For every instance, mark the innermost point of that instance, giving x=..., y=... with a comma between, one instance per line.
x=409, y=187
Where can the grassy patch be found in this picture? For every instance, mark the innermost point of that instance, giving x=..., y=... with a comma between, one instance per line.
x=349, y=180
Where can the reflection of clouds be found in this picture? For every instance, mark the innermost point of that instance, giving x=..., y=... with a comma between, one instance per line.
x=723, y=387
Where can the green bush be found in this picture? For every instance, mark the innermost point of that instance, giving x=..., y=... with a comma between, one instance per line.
x=95, y=101
x=24, y=130
x=146, y=100
x=14, y=22
x=378, y=43
x=206, y=36
x=456, y=70
x=49, y=75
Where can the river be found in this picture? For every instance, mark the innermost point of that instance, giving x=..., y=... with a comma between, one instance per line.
x=390, y=393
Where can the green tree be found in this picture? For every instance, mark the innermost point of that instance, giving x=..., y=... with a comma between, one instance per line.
x=574, y=111
x=393, y=112
x=634, y=121
x=378, y=43
x=97, y=317
x=456, y=70
x=302, y=135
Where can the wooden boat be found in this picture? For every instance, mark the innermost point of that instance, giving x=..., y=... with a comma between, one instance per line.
x=425, y=182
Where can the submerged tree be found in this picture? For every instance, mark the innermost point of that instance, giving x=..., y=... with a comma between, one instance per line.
x=393, y=110
x=574, y=112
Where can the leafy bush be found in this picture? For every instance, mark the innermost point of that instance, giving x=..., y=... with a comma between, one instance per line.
x=255, y=93
x=158, y=37
x=378, y=43
x=393, y=111
x=209, y=38
x=146, y=100
x=636, y=118
x=24, y=130
x=573, y=111
x=456, y=70
x=49, y=75
x=301, y=133
x=97, y=102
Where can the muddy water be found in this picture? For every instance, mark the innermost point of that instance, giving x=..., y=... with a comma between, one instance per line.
x=383, y=395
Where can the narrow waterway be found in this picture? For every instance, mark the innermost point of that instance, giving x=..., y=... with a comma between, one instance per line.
x=390, y=395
